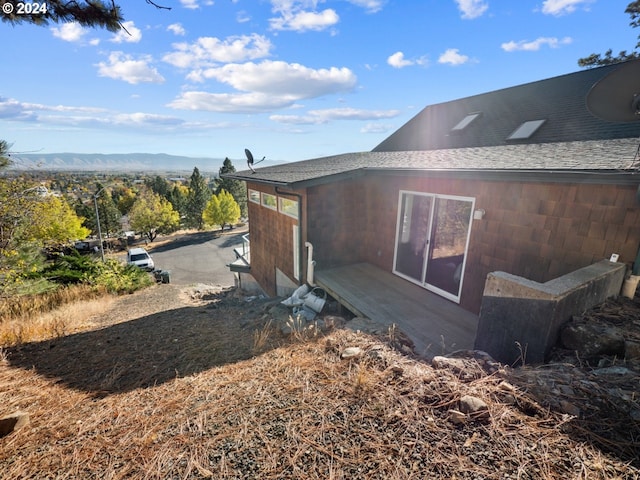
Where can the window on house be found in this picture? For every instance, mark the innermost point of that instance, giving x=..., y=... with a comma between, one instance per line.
x=466, y=121
x=526, y=130
x=288, y=207
x=269, y=201
x=254, y=196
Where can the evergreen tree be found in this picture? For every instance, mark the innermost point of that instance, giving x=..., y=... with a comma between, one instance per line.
x=108, y=212
x=88, y=13
x=237, y=188
x=178, y=198
x=4, y=154
x=598, y=60
x=197, y=199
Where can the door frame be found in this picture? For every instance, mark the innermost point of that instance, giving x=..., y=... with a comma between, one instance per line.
x=422, y=281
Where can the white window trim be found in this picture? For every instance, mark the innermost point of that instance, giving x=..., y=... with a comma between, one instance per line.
x=252, y=199
x=281, y=210
x=262, y=202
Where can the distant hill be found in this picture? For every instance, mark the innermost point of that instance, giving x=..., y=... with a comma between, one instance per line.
x=118, y=162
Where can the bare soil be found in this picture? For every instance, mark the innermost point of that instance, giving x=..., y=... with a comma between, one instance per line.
x=192, y=382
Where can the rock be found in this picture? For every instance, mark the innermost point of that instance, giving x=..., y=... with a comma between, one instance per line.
x=631, y=350
x=351, y=352
x=570, y=408
x=474, y=406
x=592, y=338
x=457, y=417
x=11, y=423
x=612, y=371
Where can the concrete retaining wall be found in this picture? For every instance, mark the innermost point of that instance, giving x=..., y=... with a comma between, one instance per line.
x=520, y=317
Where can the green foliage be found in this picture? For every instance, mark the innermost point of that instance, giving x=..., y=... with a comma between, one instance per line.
x=90, y=13
x=151, y=214
x=108, y=213
x=4, y=154
x=237, y=188
x=598, y=60
x=53, y=222
x=197, y=198
x=222, y=209
x=113, y=276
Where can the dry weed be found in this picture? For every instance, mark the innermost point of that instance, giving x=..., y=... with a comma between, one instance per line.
x=63, y=320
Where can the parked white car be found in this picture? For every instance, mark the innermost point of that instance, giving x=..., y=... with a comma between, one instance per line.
x=140, y=258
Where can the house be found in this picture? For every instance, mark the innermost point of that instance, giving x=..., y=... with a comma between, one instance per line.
x=523, y=180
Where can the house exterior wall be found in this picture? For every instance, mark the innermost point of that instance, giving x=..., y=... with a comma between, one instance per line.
x=535, y=230
x=271, y=240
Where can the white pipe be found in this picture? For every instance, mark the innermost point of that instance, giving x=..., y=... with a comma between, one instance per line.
x=310, y=264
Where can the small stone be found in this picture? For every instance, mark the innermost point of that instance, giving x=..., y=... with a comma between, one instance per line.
x=11, y=423
x=457, y=417
x=570, y=408
x=351, y=352
x=474, y=406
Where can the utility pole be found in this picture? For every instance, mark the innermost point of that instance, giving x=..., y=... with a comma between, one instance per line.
x=95, y=203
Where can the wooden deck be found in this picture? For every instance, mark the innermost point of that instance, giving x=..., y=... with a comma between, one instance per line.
x=436, y=325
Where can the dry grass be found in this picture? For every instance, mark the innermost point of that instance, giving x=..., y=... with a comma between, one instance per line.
x=295, y=411
x=53, y=317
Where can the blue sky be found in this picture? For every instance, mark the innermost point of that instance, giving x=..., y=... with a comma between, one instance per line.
x=289, y=79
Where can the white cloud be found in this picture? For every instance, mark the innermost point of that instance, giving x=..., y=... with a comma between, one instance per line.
x=69, y=32
x=128, y=34
x=207, y=51
x=562, y=7
x=472, y=8
x=123, y=67
x=372, y=6
x=536, y=44
x=452, y=56
x=316, y=117
x=302, y=21
x=191, y=4
x=177, y=29
x=281, y=78
x=266, y=86
x=397, y=60
x=377, y=128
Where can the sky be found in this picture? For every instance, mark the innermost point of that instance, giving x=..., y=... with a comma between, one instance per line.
x=288, y=79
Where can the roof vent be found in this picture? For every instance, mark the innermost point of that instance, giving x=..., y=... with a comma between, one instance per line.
x=466, y=121
x=525, y=130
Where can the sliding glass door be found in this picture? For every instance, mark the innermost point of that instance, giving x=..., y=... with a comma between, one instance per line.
x=432, y=239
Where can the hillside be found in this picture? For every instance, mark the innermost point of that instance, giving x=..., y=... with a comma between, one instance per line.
x=129, y=162
x=198, y=383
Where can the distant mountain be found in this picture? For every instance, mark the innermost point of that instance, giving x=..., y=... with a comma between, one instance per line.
x=118, y=162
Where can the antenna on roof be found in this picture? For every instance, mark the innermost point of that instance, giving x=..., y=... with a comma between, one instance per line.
x=616, y=97
x=250, y=161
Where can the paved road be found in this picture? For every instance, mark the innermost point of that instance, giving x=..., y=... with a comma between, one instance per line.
x=199, y=257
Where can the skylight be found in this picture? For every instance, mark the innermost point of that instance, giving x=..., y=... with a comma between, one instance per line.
x=466, y=121
x=526, y=130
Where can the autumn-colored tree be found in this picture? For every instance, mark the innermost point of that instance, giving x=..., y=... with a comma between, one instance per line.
x=151, y=214
x=222, y=209
x=124, y=198
x=53, y=222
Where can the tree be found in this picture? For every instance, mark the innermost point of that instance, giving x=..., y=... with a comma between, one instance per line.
x=237, y=188
x=108, y=213
x=197, y=199
x=598, y=60
x=53, y=222
x=151, y=214
x=88, y=13
x=4, y=154
x=178, y=198
x=222, y=209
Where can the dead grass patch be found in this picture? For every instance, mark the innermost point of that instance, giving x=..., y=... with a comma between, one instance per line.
x=298, y=411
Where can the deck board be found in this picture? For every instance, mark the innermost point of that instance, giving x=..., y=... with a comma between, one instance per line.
x=436, y=325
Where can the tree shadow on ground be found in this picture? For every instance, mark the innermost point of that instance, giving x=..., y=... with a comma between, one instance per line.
x=140, y=353
x=184, y=240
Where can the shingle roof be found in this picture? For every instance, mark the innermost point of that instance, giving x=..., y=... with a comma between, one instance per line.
x=569, y=140
x=561, y=101
x=589, y=156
